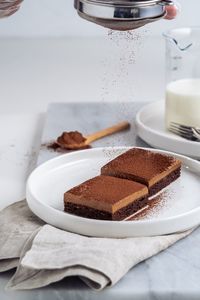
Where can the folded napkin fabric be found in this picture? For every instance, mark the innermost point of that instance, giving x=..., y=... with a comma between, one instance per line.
x=17, y=223
x=44, y=254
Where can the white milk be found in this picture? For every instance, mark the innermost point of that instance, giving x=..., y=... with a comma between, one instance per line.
x=183, y=102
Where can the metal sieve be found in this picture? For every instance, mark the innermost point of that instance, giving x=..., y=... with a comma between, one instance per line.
x=122, y=14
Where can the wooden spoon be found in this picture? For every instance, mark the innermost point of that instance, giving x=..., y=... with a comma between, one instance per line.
x=74, y=140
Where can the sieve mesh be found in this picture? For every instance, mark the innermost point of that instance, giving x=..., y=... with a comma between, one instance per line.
x=119, y=25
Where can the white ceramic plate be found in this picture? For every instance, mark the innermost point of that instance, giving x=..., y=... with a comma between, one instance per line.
x=151, y=128
x=47, y=184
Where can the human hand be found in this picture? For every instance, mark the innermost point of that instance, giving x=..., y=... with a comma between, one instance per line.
x=172, y=11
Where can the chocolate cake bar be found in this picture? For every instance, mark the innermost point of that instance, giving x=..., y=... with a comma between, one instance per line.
x=154, y=170
x=106, y=198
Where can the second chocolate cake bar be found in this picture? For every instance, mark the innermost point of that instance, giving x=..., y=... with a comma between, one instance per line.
x=153, y=169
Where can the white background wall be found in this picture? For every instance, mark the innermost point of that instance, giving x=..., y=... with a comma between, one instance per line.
x=55, y=18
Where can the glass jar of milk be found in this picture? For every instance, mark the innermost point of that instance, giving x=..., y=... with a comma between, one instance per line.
x=183, y=76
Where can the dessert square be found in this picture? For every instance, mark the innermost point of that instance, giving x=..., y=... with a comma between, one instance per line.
x=106, y=198
x=154, y=170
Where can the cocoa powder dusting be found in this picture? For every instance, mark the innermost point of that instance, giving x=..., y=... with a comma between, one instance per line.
x=142, y=163
x=107, y=189
x=53, y=146
x=155, y=205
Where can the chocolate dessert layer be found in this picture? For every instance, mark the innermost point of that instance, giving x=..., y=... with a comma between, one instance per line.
x=91, y=213
x=154, y=189
x=142, y=166
x=105, y=193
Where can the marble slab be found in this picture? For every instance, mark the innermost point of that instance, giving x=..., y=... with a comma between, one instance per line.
x=172, y=274
x=89, y=118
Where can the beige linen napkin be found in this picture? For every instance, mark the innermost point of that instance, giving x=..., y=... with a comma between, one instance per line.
x=48, y=254
x=17, y=223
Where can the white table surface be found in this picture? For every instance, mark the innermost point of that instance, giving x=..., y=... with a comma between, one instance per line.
x=19, y=144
